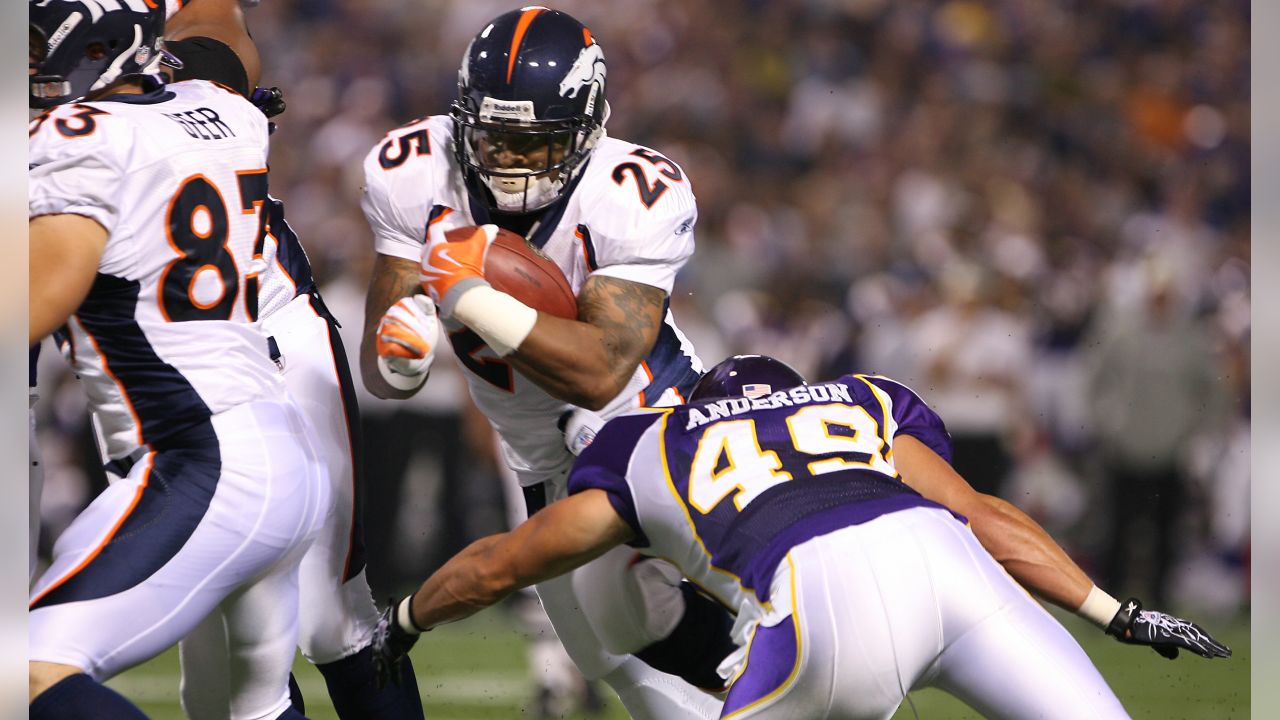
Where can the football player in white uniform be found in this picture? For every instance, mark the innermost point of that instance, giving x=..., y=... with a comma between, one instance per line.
x=815, y=510
x=337, y=617
x=145, y=206
x=524, y=148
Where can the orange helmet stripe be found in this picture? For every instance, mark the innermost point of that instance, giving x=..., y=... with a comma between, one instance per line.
x=526, y=19
x=586, y=36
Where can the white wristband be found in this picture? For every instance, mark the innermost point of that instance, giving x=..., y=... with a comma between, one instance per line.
x=502, y=321
x=398, y=381
x=404, y=616
x=1099, y=607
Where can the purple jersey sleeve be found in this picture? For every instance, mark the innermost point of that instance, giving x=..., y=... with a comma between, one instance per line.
x=914, y=417
x=603, y=466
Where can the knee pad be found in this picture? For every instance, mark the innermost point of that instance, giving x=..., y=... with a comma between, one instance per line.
x=335, y=620
x=566, y=612
x=697, y=645
x=630, y=601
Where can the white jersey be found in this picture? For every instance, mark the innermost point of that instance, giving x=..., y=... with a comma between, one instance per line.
x=168, y=335
x=285, y=270
x=630, y=215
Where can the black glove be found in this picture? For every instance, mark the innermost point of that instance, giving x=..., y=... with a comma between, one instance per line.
x=1163, y=632
x=390, y=643
x=270, y=101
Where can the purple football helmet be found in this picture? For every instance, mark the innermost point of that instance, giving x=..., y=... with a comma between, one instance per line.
x=745, y=376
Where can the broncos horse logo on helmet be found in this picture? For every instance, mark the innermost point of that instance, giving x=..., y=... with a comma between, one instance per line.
x=530, y=109
x=77, y=47
x=588, y=71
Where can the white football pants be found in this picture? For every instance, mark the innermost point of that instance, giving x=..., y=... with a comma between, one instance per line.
x=185, y=533
x=583, y=607
x=337, y=615
x=909, y=600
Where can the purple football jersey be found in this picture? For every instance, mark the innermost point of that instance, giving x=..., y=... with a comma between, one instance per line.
x=743, y=480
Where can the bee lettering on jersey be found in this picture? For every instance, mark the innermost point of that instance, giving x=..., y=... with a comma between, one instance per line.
x=720, y=409
x=202, y=124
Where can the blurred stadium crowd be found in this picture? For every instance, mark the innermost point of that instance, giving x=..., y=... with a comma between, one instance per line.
x=1035, y=212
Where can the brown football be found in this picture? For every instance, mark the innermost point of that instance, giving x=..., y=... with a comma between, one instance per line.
x=517, y=268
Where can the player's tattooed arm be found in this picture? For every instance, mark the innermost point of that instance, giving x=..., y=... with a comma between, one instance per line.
x=393, y=278
x=589, y=362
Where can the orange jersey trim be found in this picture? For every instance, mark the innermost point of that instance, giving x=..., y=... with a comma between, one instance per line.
x=137, y=495
x=644, y=365
x=124, y=392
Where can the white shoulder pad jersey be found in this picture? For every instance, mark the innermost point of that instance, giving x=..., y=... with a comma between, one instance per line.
x=724, y=488
x=284, y=270
x=630, y=215
x=177, y=176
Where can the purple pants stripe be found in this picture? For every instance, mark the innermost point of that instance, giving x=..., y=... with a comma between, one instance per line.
x=772, y=663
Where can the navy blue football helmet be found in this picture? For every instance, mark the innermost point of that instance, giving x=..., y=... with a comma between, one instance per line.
x=530, y=108
x=77, y=47
x=745, y=376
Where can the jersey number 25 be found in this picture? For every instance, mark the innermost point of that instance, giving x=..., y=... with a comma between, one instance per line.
x=649, y=194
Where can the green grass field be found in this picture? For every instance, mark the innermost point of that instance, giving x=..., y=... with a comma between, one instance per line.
x=475, y=670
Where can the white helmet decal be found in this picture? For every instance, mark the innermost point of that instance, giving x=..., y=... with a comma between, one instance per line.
x=586, y=70
x=62, y=32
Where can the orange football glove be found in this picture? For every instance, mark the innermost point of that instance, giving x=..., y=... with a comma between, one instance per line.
x=453, y=262
x=406, y=340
